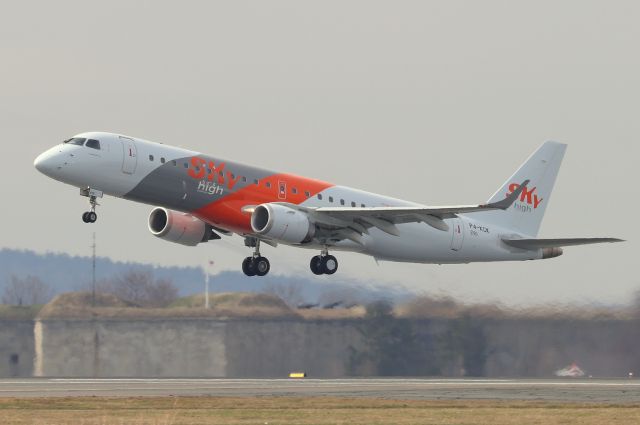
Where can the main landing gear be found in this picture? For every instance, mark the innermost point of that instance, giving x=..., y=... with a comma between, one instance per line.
x=256, y=265
x=323, y=263
x=91, y=216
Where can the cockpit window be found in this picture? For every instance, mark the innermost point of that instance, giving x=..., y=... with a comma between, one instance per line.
x=76, y=141
x=91, y=143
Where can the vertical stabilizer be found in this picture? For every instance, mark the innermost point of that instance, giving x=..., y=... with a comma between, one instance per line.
x=525, y=215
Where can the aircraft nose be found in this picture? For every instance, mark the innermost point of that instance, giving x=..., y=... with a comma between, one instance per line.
x=45, y=163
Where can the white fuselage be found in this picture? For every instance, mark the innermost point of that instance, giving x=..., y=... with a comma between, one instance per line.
x=158, y=174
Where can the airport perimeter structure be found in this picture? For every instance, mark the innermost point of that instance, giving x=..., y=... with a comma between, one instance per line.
x=107, y=342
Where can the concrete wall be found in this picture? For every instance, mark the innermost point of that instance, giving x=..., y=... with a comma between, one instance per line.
x=191, y=348
x=132, y=348
x=16, y=348
x=277, y=347
x=209, y=347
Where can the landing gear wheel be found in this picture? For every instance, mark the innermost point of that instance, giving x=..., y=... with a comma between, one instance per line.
x=329, y=264
x=248, y=266
x=93, y=195
x=261, y=266
x=316, y=265
x=89, y=217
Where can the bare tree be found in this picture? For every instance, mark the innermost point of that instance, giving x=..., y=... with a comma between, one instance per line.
x=140, y=287
x=290, y=293
x=162, y=293
x=635, y=304
x=28, y=290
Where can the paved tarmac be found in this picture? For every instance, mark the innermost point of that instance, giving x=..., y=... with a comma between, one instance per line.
x=567, y=390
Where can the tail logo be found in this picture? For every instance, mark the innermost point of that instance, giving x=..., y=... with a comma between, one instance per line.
x=528, y=197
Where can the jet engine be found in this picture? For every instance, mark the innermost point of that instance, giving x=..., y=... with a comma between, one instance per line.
x=182, y=228
x=282, y=223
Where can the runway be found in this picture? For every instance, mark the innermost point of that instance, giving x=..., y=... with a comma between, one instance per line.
x=569, y=390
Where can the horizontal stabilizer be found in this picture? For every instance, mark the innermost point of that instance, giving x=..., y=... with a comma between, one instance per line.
x=553, y=243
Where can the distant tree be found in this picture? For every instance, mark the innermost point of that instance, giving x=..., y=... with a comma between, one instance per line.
x=391, y=347
x=345, y=297
x=635, y=306
x=140, y=287
x=28, y=290
x=290, y=293
x=465, y=340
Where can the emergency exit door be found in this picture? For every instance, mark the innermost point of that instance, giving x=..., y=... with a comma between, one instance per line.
x=458, y=234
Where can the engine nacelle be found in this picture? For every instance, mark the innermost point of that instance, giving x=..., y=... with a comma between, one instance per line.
x=282, y=223
x=182, y=228
x=551, y=252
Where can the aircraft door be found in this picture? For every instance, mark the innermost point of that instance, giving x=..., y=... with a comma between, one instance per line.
x=282, y=190
x=129, y=155
x=458, y=234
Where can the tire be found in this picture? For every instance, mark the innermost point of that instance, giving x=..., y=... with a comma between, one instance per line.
x=261, y=266
x=92, y=217
x=84, y=217
x=329, y=264
x=248, y=267
x=316, y=265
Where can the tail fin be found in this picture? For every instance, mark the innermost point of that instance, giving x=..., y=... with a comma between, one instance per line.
x=525, y=215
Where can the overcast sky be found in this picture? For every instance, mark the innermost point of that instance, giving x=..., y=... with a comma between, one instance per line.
x=435, y=102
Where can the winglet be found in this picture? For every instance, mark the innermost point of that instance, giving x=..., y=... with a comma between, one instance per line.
x=509, y=200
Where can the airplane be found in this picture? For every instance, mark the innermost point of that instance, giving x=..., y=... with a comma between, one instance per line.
x=197, y=198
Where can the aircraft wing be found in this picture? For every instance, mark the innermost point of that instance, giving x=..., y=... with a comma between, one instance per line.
x=554, y=243
x=351, y=223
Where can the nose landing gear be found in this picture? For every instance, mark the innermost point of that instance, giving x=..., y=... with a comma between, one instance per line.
x=91, y=216
x=256, y=265
x=323, y=263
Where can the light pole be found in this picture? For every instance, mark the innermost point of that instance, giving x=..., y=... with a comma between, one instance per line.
x=93, y=271
x=206, y=284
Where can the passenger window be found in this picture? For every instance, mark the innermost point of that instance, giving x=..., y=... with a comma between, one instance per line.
x=175, y=163
x=330, y=198
x=233, y=176
x=244, y=179
x=341, y=201
x=255, y=181
x=307, y=194
x=150, y=157
x=93, y=144
x=186, y=165
x=353, y=204
x=320, y=196
x=268, y=184
x=162, y=160
x=362, y=205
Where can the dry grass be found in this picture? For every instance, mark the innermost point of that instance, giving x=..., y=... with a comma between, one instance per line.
x=77, y=305
x=315, y=410
x=426, y=307
x=13, y=312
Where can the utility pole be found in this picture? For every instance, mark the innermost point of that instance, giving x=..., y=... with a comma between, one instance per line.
x=93, y=272
x=206, y=284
